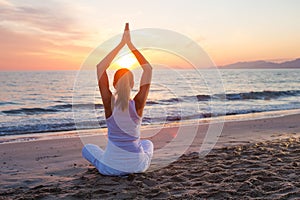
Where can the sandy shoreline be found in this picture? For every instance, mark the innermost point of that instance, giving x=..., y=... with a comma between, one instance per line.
x=51, y=168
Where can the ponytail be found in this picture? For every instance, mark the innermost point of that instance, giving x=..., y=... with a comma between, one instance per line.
x=123, y=83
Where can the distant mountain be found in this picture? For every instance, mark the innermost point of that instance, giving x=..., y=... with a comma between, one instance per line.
x=294, y=64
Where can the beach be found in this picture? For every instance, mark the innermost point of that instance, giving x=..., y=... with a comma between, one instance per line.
x=253, y=158
x=215, y=86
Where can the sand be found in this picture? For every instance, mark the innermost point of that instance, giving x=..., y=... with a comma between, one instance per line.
x=253, y=159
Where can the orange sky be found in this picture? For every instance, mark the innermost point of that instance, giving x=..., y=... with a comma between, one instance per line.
x=59, y=35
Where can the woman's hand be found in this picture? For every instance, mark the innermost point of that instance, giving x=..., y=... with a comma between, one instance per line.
x=126, y=35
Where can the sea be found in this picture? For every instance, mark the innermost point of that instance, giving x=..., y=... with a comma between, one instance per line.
x=51, y=101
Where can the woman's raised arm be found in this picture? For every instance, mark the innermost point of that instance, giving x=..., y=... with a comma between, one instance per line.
x=103, y=82
x=141, y=96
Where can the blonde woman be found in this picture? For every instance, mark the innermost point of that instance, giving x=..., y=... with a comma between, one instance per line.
x=125, y=152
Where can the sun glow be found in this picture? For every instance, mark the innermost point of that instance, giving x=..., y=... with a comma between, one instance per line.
x=126, y=61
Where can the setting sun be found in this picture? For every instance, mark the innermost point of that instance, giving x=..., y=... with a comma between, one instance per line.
x=126, y=61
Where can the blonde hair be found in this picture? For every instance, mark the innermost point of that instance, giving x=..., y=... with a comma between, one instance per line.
x=123, y=83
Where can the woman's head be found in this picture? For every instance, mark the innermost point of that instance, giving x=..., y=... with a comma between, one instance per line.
x=123, y=83
x=123, y=76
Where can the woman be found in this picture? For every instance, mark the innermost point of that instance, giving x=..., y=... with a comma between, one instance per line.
x=125, y=153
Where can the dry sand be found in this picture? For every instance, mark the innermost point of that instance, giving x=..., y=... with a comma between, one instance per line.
x=253, y=159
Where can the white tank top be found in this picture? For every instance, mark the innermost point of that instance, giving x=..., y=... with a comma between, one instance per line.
x=124, y=151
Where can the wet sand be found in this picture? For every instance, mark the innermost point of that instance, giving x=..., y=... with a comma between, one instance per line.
x=253, y=159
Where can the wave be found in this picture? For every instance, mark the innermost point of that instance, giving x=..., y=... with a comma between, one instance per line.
x=50, y=127
x=152, y=102
x=82, y=106
x=50, y=109
x=36, y=128
x=101, y=123
x=29, y=111
x=203, y=97
x=262, y=95
x=2, y=103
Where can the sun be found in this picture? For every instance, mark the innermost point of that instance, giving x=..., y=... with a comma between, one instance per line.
x=126, y=61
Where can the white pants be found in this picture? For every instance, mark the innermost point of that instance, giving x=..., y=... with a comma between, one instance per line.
x=94, y=154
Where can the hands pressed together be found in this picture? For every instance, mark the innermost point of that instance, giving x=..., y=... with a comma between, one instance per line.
x=126, y=39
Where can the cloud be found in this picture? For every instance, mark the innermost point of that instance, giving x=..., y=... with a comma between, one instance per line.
x=43, y=17
x=5, y=3
x=52, y=21
x=34, y=33
x=21, y=52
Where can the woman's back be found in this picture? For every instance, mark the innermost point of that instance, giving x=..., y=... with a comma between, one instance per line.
x=124, y=127
x=124, y=151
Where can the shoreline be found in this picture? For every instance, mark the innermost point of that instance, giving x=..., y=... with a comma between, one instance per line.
x=103, y=131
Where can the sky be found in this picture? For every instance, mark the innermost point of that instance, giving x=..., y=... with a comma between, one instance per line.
x=60, y=34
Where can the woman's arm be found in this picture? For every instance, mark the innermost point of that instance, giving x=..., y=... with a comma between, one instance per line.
x=141, y=96
x=103, y=82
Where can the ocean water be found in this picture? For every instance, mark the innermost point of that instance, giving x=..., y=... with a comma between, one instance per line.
x=45, y=101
